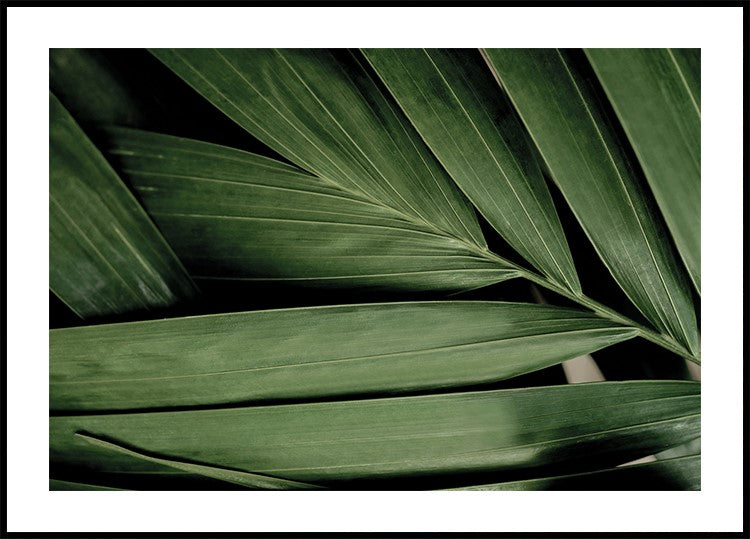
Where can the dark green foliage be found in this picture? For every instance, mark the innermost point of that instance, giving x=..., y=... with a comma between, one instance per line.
x=346, y=244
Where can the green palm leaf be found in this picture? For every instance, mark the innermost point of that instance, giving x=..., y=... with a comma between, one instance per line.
x=321, y=110
x=313, y=352
x=248, y=480
x=381, y=158
x=453, y=101
x=107, y=256
x=599, y=182
x=656, y=94
x=574, y=427
x=683, y=473
x=232, y=214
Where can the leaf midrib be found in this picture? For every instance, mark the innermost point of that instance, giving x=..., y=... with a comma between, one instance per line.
x=355, y=358
x=630, y=202
x=483, y=252
x=501, y=169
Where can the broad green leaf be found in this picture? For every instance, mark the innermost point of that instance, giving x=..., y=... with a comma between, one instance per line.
x=452, y=99
x=106, y=256
x=656, y=95
x=586, y=159
x=572, y=427
x=673, y=474
x=232, y=214
x=321, y=110
x=313, y=352
x=244, y=479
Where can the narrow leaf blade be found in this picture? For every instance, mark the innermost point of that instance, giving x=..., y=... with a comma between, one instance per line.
x=455, y=104
x=232, y=214
x=313, y=352
x=248, y=480
x=673, y=474
x=106, y=256
x=574, y=428
x=656, y=95
x=599, y=182
x=321, y=110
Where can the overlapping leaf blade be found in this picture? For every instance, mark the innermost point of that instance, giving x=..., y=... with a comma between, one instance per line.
x=199, y=401
x=656, y=95
x=321, y=110
x=313, y=352
x=584, y=155
x=683, y=473
x=232, y=214
x=106, y=255
x=247, y=480
x=575, y=427
x=452, y=99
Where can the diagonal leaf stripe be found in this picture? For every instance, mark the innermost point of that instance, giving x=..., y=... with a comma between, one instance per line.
x=313, y=352
x=59, y=484
x=577, y=427
x=587, y=162
x=107, y=256
x=248, y=480
x=321, y=110
x=453, y=101
x=231, y=214
x=683, y=473
x=656, y=95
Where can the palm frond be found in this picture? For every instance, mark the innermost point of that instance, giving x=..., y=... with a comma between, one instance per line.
x=234, y=215
x=430, y=177
x=452, y=99
x=571, y=129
